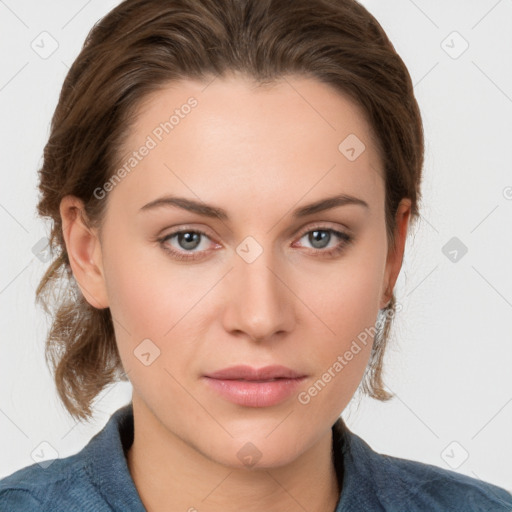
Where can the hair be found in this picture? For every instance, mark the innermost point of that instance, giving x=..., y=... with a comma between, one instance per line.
x=142, y=46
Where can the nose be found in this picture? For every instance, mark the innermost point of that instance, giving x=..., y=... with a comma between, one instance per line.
x=259, y=302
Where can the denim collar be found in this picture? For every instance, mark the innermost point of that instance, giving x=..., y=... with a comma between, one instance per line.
x=111, y=476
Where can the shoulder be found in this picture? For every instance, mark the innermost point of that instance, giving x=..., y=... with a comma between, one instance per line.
x=54, y=485
x=429, y=487
x=393, y=483
x=95, y=478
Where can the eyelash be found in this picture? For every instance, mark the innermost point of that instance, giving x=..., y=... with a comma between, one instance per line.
x=332, y=252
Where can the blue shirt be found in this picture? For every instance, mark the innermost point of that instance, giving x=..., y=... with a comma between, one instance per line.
x=97, y=479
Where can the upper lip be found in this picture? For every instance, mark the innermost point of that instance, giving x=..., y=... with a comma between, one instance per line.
x=245, y=372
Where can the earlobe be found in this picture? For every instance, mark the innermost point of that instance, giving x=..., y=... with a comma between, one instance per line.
x=84, y=252
x=396, y=252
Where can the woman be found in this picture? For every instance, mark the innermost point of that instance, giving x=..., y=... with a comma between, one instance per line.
x=231, y=184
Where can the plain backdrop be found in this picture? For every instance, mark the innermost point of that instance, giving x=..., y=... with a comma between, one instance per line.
x=449, y=362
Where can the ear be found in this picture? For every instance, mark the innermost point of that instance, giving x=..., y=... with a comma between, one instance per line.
x=396, y=251
x=84, y=252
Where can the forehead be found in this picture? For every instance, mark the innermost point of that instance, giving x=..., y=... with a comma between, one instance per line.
x=293, y=138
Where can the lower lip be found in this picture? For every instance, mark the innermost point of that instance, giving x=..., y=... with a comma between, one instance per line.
x=254, y=393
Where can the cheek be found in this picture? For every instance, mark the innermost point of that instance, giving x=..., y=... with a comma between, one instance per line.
x=341, y=358
x=347, y=302
x=152, y=298
x=347, y=294
x=136, y=299
x=150, y=325
x=144, y=296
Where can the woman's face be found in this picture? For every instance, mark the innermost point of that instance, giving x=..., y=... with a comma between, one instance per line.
x=269, y=282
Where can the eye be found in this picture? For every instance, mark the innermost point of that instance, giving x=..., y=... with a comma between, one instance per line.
x=190, y=245
x=186, y=241
x=321, y=238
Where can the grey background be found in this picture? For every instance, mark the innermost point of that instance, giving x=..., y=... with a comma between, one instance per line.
x=450, y=358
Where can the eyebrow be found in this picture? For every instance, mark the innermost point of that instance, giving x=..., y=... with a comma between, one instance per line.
x=213, y=211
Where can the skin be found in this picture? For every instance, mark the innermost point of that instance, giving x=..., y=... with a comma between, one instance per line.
x=259, y=153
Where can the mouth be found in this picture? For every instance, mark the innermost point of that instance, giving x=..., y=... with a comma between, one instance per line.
x=248, y=373
x=250, y=387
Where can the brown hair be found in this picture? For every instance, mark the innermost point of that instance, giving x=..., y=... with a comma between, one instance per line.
x=138, y=48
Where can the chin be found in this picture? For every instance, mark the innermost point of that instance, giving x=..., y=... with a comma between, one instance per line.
x=259, y=452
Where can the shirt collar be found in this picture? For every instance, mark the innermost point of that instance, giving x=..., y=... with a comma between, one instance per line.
x=112, y=478
x=353, y=462
x=106, y=463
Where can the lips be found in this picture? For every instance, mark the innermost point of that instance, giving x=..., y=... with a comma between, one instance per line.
x=248, y=373
x=255, y=387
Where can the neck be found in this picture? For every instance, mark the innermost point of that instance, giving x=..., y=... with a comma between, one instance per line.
x=169, y=474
